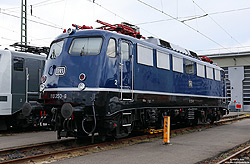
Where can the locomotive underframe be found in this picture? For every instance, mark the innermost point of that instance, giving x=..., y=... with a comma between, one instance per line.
x=108, y=115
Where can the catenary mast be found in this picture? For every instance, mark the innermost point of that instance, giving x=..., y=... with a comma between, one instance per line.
x=24, y=22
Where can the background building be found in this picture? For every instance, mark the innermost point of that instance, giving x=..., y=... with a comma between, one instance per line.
x=237, y=70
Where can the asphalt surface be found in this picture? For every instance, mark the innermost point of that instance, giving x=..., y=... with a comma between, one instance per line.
x=20, y=139
x=188, y=148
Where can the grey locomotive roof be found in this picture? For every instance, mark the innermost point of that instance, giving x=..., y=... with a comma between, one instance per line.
x=24, y=54
x=152, y=42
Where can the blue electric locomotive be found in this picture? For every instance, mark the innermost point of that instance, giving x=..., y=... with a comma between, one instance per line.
x=110, y=83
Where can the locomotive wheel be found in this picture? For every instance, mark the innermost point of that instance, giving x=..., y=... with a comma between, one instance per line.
x=124, y=127
x=102, y=137
x=193, y=122
x=211, y=120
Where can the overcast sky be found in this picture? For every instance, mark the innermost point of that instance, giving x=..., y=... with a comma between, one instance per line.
x=213, y=26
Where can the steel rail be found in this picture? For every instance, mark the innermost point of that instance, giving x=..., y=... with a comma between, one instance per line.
x=234, y=155
x=32, y=146
x=232, y=116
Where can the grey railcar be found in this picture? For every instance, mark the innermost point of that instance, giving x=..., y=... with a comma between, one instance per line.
x=20, y=76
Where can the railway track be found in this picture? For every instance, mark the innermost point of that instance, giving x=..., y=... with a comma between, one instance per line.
x=57, y=150
x=241, y=156
x=233, y=117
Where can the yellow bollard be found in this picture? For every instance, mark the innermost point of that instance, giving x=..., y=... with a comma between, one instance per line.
x=166, y=130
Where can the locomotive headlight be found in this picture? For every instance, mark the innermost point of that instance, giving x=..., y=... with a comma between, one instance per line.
x=42, y=87
x=70, y=31
x=81, y=86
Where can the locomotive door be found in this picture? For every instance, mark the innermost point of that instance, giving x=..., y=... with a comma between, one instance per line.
x=18, y=83
x=126, y=70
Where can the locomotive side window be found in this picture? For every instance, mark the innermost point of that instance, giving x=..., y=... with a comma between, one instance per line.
x=217, y=75
x=200, y=70
x=86, y=46
x=210, y=73
x=144, y=55
x=125, y=50
x=56, y=49
x=18, y=64
x=189, y=67
x=178, y=64
x=111, y=50
x=163, y=60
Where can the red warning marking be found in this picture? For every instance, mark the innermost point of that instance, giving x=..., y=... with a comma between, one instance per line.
x=238, y=106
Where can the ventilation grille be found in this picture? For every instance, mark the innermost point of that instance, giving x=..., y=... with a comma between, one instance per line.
x=246, y=86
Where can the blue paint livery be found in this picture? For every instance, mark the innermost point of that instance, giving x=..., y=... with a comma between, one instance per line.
x=102, y=71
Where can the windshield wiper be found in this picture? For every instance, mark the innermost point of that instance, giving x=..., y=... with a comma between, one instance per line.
x=53, y=54
x=82, y=51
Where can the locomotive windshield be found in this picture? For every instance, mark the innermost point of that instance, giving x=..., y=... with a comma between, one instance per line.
x=86, y=46
x=56, y=49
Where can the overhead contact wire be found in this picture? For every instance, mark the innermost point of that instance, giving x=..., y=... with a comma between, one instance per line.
x=184, y=24
x=93, y=1
x=32, y=20
x=217, y=24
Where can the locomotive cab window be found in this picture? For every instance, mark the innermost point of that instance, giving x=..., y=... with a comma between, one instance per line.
x=189, y=67
x=86, y=46
x=124, y=50
x=18, y=64
x=111, y=50
x=56, y=49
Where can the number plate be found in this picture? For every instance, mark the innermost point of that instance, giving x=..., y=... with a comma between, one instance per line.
x=60, y=71
x=58, y=96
